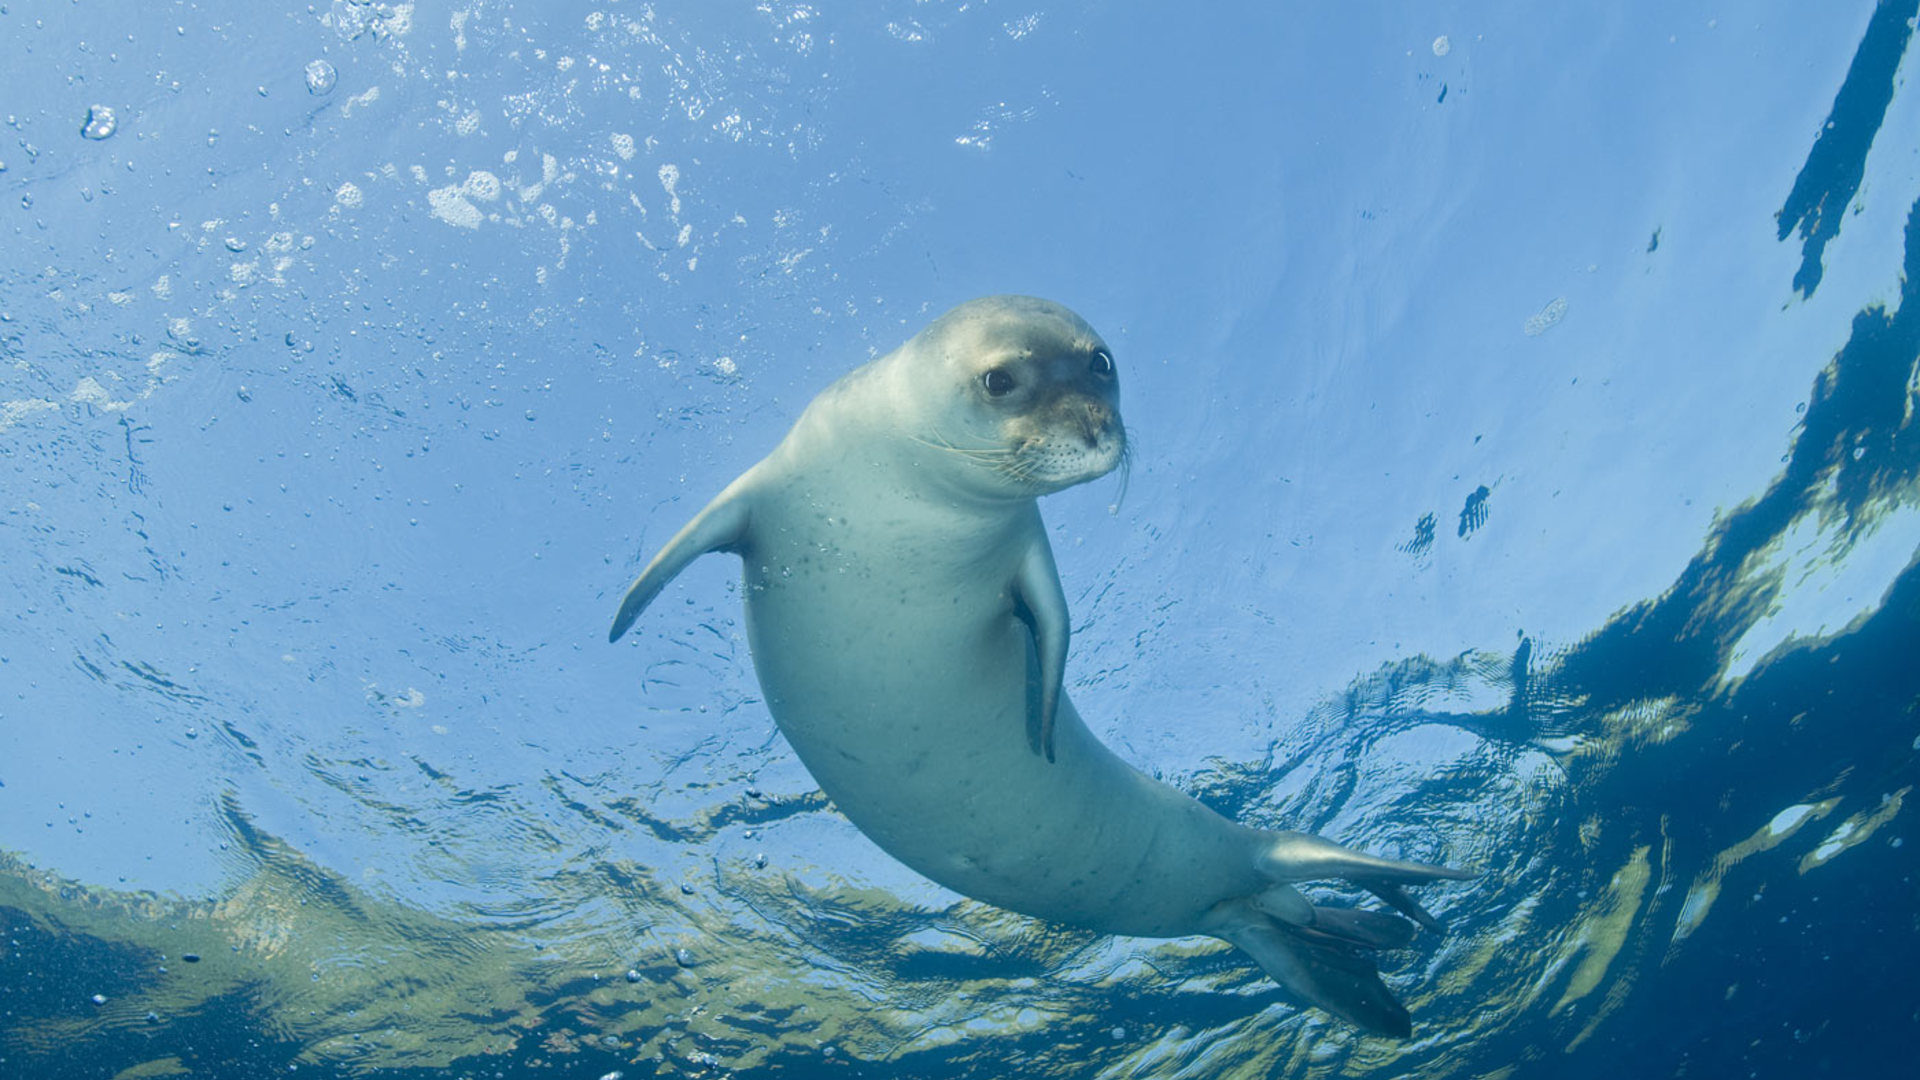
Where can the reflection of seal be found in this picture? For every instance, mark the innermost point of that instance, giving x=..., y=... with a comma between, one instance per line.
x=910, y=634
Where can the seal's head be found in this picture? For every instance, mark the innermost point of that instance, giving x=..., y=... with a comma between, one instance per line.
x=1021, y=392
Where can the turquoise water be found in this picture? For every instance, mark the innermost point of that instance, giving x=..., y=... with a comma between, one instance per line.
x=1524, y=475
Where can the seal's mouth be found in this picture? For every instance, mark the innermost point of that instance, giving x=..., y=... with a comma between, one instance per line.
x=1068, y=454
x=1069, y=445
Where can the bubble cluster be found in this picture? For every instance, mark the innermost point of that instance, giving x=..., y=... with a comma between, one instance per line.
x=100, y=122
x=481, y=185
x=1547, y=318
x=450, y=205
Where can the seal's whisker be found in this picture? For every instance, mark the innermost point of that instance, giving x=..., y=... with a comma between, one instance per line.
x=1009, y=462
x=1126, y=474
x=985, y=453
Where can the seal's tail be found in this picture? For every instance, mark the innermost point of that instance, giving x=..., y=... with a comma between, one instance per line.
x=1325, y=955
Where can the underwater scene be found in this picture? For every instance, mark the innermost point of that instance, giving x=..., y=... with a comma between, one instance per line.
x=1507, y=461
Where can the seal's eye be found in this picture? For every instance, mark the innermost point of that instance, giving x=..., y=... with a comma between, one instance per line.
x=997, y=382
x=1102, y=363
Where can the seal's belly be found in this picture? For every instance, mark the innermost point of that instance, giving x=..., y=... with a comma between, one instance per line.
x=911, y=708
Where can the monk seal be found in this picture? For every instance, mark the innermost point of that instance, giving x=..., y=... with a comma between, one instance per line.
x=910, y=635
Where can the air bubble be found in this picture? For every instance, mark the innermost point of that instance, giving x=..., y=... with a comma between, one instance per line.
x=1442, y=46
x=321, y=78
x=100, y=122
x=683, y=957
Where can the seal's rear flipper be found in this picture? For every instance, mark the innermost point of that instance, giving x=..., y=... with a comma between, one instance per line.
x=1297, y=856
x=722, y=526
x=1406, y=905
x=1325, y=967
x=1360, y=928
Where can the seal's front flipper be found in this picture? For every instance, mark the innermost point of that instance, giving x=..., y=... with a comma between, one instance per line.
x=1040, y=603
x=722, y=526
x=1328, y=966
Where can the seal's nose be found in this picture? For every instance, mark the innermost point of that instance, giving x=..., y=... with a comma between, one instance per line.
x=1098, y=417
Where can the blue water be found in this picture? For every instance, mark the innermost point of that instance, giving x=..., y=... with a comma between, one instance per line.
x=1525, y=475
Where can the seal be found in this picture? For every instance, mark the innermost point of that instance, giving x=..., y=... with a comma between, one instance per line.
x=910, y=635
